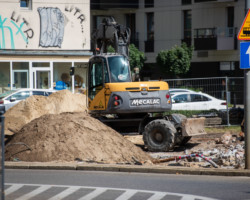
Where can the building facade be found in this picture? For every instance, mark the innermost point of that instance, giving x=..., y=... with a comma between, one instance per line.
x=41, y=40
x=211, y=26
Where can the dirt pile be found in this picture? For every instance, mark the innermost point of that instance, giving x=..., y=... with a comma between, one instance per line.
x=72, y=136
x=36, y=106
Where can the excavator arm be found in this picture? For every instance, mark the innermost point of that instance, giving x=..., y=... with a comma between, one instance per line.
x=110, y=33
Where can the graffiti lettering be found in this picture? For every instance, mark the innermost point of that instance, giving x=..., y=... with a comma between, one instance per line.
x=19, y=30
x=2, y=28
x=69, y=10
x=81, y=17
x=29, y=33
x=13, y=19
x=11, y=25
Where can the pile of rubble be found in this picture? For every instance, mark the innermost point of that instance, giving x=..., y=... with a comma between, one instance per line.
x=224, y=152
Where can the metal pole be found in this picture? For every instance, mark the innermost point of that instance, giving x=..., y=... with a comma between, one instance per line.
x=247, y=107
x=228, y=123
x=3, y=158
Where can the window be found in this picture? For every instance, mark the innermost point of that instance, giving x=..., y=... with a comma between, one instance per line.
x=20, y=95
x=150, y=26
x=183, y=98
x=25, y=4
x=119, y=69
x=198, y=98
x=96, y=78
x=4, y=76
x=149, y=43
x=187, y=24
x=148, y=3
x=186, y=2
x=230, y=16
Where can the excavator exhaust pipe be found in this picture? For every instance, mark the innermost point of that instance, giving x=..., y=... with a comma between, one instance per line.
x=193, y=126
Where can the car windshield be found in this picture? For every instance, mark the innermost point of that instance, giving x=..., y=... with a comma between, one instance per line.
x=119, y=69
x=5, y=94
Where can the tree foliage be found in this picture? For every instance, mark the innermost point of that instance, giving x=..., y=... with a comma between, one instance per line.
x=136, y=57
x=176, y=60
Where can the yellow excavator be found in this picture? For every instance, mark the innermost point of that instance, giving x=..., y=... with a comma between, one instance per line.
x=128, y=106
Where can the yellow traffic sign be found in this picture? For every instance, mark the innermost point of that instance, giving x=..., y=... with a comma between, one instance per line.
x=244, y=33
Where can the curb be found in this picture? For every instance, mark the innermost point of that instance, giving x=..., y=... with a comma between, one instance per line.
x=126, y=168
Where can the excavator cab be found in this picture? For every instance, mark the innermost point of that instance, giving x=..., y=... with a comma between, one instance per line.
x=103, y=69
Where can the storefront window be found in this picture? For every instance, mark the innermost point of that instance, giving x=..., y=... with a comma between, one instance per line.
x=61, y=77
x=80, y=77
x=20, y=75
x=4, y=76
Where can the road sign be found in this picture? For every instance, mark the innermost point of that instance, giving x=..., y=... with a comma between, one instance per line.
x=245, y=55
x=244, y=33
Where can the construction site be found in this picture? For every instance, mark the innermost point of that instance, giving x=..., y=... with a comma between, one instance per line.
x=58, y=128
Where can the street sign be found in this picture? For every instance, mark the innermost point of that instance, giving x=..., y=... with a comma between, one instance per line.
x=244, y=33
x=245, y=55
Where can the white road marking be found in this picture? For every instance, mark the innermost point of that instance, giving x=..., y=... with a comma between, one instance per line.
x=93, y=194
x=157, y=196
x=13, y=188
x=65, y=193
x=35, y=192
x=126, y=195
x=69, y=189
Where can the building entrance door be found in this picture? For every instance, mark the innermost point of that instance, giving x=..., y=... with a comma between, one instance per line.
x=42, y=78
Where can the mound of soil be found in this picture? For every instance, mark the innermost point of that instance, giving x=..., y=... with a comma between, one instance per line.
x=36, y=106
x=69, y=137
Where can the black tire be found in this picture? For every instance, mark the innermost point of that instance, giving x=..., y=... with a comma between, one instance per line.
x=181, y=140
x=159, y=135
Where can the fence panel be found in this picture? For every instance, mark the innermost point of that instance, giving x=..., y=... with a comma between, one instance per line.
x=230, y=89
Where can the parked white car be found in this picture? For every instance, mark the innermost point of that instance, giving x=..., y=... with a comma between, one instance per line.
x=196, y=101
x=12, y=97
x=178, y=90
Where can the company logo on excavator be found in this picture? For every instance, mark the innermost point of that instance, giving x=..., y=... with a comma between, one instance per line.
x=138, y=102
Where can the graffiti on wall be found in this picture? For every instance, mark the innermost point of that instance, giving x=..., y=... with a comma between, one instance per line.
x=13, y=27
x=81, y=17
x=16, y=28
x=51, y=27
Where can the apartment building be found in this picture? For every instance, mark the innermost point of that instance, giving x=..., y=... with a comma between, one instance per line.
x=41, y=40
x=211, y=26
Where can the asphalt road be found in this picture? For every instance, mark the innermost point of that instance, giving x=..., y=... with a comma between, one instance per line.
x=67, y=184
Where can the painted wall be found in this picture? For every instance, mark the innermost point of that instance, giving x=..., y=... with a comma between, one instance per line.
x=49, y=25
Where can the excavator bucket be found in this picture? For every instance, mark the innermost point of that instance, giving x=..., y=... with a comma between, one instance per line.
x=193, y=126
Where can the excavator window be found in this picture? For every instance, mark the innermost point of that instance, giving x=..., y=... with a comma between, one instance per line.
x=119, y=69
x=98, y=72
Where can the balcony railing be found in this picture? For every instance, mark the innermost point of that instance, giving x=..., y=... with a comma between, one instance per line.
x=221, y=38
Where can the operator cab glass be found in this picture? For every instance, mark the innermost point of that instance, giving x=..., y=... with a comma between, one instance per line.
x=119, y=69
x=110, y=69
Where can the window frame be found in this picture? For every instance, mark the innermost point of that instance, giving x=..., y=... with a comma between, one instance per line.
x=29, y=4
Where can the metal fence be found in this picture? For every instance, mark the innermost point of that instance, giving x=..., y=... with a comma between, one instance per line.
x=230, y=89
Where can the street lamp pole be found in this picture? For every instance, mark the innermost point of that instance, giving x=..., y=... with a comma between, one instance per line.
x=247, y=106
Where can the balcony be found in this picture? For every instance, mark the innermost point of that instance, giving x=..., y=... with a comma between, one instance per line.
x=215, y=38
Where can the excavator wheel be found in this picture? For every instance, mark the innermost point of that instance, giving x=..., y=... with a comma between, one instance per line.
x=159, y=135
x=180, y=139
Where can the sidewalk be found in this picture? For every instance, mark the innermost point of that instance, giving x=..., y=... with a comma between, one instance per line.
x=126, y=168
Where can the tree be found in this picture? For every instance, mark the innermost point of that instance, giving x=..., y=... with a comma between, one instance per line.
x=175, y=61
x=136, y=57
